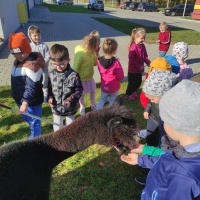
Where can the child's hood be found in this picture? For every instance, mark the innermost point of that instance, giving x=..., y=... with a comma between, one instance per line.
x=106, y=63
x=40, y=42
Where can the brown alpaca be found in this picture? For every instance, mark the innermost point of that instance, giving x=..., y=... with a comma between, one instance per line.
x=26, y=167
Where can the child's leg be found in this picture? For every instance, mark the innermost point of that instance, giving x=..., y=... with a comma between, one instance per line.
x=162, y=53
x=112, y=98
x=131, y=82
x=69, y=119
x=102, y=100
x=138, y=81
x=59, y=120
x=81, y=102
x=34, y=124
x=92, y=99
x=45, y=83
x=151, y=127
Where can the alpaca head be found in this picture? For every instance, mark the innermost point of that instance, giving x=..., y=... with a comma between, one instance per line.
x=123, y=128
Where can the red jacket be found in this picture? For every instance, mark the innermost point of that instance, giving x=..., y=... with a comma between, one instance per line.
x=165, y=39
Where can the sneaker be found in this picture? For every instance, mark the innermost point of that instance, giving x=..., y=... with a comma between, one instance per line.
x=144, y=133
x=141, y=180
x=82, y=111
x=132, y=96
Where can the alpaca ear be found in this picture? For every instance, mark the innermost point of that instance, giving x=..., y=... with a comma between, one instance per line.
x=113, y=123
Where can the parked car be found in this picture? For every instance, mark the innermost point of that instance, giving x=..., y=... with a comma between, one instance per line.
x=125, y=5
x=179, y=9
x=133, y=6
x=98, y=5
x=147, y=7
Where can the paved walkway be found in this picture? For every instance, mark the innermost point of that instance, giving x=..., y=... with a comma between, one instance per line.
x=68, y=29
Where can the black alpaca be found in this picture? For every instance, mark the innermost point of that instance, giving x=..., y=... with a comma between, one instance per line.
x=26, y=167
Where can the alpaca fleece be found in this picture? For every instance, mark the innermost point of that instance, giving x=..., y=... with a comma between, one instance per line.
x=26, y=166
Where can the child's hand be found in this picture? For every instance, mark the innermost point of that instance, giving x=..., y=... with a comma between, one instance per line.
x=131, y=158
x=158, y=41
x=138, y=150
x=50, y=101
x=23, y=108
x=146, y=115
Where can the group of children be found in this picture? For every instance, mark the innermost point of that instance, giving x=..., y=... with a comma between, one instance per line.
x=65, y=86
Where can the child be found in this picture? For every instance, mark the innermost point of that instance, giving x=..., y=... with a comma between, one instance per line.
x=175, y=173
x=159, y=63
x=164, y=39
x=180, y=51
x=111, y=72
x=26, y=80
x=158, y=82
x=84, y=61
x=37, y=45
x=137, y=57
x=64, y=87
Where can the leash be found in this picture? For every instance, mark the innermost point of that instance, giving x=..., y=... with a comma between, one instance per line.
x=30, y=115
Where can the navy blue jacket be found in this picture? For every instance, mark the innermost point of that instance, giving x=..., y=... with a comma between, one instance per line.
x=26, y=80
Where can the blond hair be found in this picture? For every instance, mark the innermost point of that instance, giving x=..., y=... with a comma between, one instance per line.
x=33, y=29
x=136, y=32
x=163, y=25
x=91, y=41
x=110, y=46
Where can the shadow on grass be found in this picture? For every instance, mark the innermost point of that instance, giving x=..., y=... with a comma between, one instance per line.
x=103, y=177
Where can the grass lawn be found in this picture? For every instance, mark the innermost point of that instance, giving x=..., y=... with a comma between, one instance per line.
x=191, y=37
x=93, y=174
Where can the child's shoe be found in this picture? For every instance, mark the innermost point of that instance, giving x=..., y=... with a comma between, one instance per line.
x=93, y=108
x=144, y=133
x=132, y=96
x=82, y=111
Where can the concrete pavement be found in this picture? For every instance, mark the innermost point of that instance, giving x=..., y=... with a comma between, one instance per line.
x=69, y=29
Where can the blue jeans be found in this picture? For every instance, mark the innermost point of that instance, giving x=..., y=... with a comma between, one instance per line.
x=34, y=124
x=104, y=97
x=162, y=53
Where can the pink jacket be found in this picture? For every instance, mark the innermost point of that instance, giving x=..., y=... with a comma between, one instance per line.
x=111, y=74
x=137, y=57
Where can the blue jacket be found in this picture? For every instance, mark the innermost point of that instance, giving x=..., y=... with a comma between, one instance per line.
x=171, y=178
x=26, y=80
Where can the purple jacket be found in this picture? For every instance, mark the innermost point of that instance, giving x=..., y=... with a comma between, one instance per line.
x=137, y=57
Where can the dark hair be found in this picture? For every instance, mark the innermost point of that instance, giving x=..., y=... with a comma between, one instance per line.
x=59, y=53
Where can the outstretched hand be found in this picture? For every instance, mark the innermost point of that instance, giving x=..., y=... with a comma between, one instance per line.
x=131, y=158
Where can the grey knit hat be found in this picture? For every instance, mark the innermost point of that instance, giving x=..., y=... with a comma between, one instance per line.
x=180, y=50
x=159, y=82
x=180, y=107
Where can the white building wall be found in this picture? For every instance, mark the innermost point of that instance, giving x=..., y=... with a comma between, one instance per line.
x=9, y=17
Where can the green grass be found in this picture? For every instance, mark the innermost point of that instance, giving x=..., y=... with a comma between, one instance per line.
x=93, y=174
x=191, y=37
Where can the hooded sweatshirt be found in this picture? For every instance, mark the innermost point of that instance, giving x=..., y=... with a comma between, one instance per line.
x=41, y=47
x=26, y=79
x=165, y=39
x=111, y=74
x=84, y=63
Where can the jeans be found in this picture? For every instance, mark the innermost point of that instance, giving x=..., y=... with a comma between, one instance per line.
x=34, y=124
x=162, y=53
x=104, y=97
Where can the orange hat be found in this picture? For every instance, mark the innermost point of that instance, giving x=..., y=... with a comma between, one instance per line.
x=18, y=43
